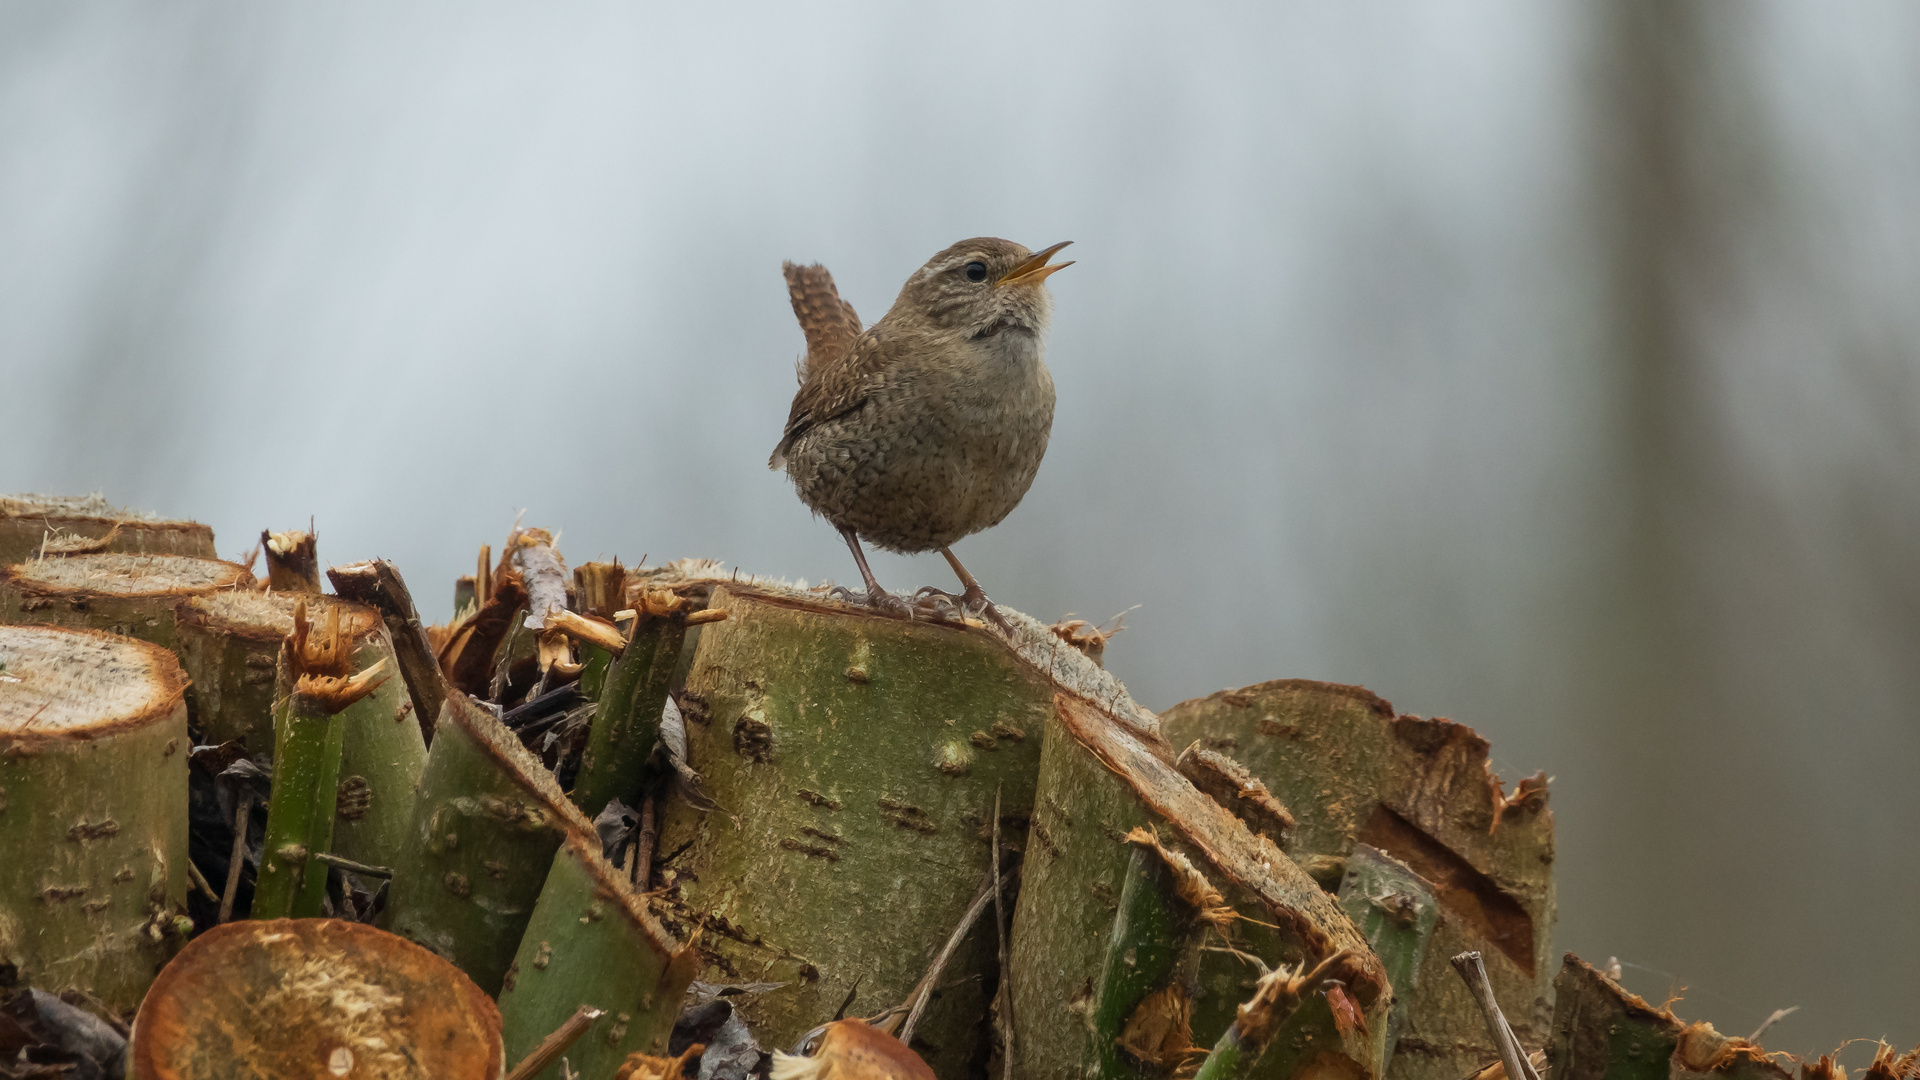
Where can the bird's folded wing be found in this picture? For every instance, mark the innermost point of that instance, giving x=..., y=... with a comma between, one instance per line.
x=833, y=389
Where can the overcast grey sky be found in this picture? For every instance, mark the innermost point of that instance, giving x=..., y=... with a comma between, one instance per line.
x=1551, y=367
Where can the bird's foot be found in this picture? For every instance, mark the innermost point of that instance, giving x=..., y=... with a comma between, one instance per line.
x=878, y=599
x=974, y=600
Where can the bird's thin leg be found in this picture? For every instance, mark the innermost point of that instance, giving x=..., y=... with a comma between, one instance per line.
x=876, y=596
x=973, y=594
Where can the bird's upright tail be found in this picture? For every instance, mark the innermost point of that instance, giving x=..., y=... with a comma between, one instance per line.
x=829, y=322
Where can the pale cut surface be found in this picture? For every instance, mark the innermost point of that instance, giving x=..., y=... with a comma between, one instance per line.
x=131, y=575
x=94, y=505
x=1068, y=668
x=260, y=614
x=54, y=681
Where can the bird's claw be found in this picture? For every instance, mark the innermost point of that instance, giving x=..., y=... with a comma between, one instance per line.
x=971, y=602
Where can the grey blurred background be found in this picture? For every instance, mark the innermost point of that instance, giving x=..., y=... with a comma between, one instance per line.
x=1552, y=367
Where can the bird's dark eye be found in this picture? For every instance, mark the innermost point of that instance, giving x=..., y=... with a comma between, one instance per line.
x=976, y=271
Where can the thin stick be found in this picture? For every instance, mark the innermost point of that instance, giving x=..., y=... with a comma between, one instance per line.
x=1000, y=928
x=352, y=867
x=1778, y=1015
x=643, y=857
x=1474, y=972
x=924, y=992
x=554, y=1045
x=239, y=856
x=200, y=882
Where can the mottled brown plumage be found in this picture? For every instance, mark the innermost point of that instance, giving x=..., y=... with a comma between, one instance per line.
x=929, y=425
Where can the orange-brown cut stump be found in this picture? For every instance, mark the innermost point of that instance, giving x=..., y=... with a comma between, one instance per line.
x=316, y=998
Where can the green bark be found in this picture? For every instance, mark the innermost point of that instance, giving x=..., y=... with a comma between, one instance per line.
x=1153, y=948
x=626, y=722
x=306, y=783
x=132, y=595
x=1395, y=910
x=378, y=585
x=593, y=941
x=486, y=824
x=382, y=755
x=1104, y=773
x=854, y=760
x=28, y=522
x=1351, y=771
x=1602, y=1032
x=1231, y=1058
x=93, y=806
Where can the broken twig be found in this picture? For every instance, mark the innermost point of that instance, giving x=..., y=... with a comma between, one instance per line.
x=558, y=1043
x=923, y=992
x=1514, y=1057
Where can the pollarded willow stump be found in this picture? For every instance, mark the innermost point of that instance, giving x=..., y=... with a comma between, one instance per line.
x=854, y=760
x=132, y=595
x=93, y=805
x=67, y=525
x=313, y=998
x=1352, y=771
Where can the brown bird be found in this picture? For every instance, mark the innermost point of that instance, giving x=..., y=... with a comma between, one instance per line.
x=929, y=425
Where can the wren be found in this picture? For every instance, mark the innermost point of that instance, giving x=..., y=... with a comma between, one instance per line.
x=930, y=424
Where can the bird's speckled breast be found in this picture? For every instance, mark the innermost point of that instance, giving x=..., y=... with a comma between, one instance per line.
x=938, y=451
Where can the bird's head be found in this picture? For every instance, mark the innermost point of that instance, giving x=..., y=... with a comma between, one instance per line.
x=981, y=287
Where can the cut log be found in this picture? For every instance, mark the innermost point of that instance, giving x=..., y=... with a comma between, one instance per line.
x=319, y=682
x=854, y=760
x=293, y=561
x=313, y=998
x=1105, y=773
x=1601, y=1031
x=68, y=525
x=1350, y=771
x=230, y=646
x=377, y=584
x=93, y=805
x=131, y=595
x=1396, y=911
x=626, y=718
x=593, y=941
x=486, y=824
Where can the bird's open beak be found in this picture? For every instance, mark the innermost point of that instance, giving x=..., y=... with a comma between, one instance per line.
x=1034, y=270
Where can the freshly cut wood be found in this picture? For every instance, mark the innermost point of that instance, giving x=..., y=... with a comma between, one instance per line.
x=854, y=760
x=1601, y=1031
x=313, y=998
x=1350, y=770
x=230, y=644
x=1108, y=785
x=77, y=525
x=293, y=561
x=486, y=823
x=378, y=585
x=93, y=806
x=626, y=717
x=319, y=682
x=594, y=941
x=131, y=595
